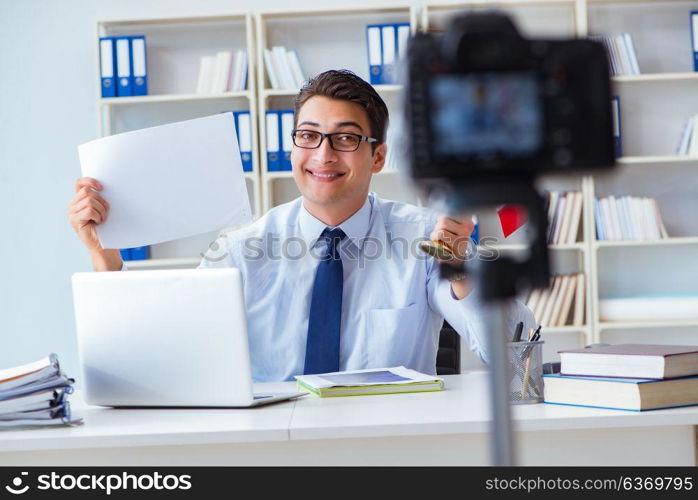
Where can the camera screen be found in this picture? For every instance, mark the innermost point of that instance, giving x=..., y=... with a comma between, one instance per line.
x=487, y=114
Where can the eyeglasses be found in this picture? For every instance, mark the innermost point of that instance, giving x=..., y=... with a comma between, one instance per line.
x=339, y=141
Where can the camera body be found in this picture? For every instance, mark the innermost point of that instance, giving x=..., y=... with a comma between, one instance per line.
x=482, y=102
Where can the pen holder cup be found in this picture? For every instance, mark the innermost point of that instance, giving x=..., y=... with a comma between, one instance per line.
x=526, y=361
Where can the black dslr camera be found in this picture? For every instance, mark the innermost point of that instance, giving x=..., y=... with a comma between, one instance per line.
x=482, y=101
x=488, y=111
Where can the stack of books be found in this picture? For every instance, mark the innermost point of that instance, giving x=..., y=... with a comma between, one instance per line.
x=560, y=304
x=621, y=53
x=626, y=377
x=224, y=72
x=284, y=69
x=368, y=382
x=688, y=143
x=35, y=394
x=628, y=218
x=564, y=216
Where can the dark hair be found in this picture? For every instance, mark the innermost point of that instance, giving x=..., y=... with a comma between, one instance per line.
x=344, y=84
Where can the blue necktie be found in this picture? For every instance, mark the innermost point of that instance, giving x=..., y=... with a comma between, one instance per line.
x=322, y=347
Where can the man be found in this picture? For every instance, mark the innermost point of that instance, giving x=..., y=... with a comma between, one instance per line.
x=333, y=280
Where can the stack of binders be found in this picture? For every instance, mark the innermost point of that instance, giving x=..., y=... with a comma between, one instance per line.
x=279, y=124
x=35, y=394
x=386, y=45
x=123, y=66
x=626, y=377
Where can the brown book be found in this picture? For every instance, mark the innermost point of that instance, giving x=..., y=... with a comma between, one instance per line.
x=620, y=393
x=567, y=301
x=632, y=360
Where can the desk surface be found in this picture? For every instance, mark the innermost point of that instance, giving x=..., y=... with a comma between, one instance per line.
x=463, y=408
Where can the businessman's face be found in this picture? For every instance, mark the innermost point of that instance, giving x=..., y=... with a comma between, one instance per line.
x=328, y=178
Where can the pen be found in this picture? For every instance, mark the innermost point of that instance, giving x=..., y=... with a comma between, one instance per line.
x=517, y=331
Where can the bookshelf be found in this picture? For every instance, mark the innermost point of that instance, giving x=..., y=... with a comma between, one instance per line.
x=654, y=106
x=174, y=47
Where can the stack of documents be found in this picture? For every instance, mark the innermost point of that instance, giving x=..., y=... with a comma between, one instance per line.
x=35, y=394
x=369, y=382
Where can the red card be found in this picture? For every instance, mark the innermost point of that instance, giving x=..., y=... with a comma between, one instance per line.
x=511, y=217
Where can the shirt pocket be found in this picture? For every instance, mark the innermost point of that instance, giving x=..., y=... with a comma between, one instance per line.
x=391, y=335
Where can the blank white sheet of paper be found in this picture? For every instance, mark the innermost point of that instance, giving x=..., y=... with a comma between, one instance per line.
x=168, y=182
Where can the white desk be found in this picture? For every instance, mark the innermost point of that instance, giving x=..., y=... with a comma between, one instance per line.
x=444, y=428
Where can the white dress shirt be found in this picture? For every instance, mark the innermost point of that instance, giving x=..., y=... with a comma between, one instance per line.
x=393, y=303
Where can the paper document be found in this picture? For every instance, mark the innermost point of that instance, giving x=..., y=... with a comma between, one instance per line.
x=168, y=182
x=381, y=376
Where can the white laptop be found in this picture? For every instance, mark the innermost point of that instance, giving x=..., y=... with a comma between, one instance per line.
x=165, y=338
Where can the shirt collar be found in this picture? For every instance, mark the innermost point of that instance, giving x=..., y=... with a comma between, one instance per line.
x=355, y=227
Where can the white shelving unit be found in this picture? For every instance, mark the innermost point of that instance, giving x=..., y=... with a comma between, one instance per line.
x=654, y=106
x=325, y=39
x=174, y=48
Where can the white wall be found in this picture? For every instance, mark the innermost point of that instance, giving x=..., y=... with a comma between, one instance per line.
x=48, y=89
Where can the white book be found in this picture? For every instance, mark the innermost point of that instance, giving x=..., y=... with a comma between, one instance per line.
x=578, y=319
x=615, y=217
x=280, y=60
x=567, y=299
x=598, y=221
x=208, y=69
x=560, y=215
x=224, y=62
x=642, y=218
x=615, y=52
x=646, y=230
x=636, y=219
x=201, y=82
x=241, y=83
x=548, y=312
x=295, y=64
x=636, y=212
x=632, y=54
x=232, y=74
x=662, y=229
x=570, y=198
x=623, y=51
x=271, y=72
x=554, y=197
x=685, y=139
x=557, y=307
x=571, y=235
x=623, y=218
x=693, y=145
x=633, y=226
x=606, y=215
x=652, y=218
x=210, y=77
x=237, y=66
